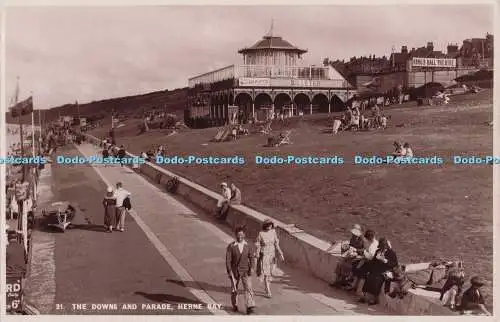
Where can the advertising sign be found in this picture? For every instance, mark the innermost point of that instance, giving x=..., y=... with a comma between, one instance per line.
x=257, y=82
x=14, y=291
x=434, y=62
x=323, y=83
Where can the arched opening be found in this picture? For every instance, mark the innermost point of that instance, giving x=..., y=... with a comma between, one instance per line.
x=263, y=104
x=244, y=103
x=337, y=105
x=283, y=104
x=320, y=103
x=302, y=103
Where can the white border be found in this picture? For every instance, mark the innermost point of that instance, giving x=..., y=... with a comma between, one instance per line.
x=81, y=3
x=3, y=151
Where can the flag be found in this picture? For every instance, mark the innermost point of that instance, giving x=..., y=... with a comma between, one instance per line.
x=22, y=108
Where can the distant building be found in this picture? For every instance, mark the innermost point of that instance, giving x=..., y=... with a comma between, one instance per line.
x=270, y=80
x=416, y=67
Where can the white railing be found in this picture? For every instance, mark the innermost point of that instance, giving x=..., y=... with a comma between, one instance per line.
x=213, y=76
x=299, y=72
x=262, y=71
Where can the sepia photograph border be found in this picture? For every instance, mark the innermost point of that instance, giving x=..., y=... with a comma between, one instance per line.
x=78, y=3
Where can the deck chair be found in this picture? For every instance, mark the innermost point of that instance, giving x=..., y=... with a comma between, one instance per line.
x=336, y=126
x=285, y=138
x=219, y=135
x=266, y=129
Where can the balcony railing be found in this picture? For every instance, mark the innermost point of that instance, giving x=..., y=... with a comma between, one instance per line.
x=213, y=76
x=258, y=71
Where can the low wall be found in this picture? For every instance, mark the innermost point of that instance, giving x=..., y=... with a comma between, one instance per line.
x=301, y=249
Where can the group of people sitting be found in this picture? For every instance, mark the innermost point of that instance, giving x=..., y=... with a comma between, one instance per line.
x=366, y=258
x=352, y=119
x=152, y=153
x=402, y=150
x=237, y=131
x=231, y=195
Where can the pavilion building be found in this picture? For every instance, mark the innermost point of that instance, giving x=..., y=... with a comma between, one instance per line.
x=270, y=80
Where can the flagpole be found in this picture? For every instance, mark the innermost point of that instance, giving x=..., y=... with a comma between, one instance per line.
x=33, y=150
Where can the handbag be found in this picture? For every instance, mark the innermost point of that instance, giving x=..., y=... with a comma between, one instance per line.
x=127, y=204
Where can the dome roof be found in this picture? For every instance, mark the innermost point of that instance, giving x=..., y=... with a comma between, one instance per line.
x=273, y=43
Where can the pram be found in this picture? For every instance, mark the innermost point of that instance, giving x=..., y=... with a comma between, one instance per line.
x=59, y=214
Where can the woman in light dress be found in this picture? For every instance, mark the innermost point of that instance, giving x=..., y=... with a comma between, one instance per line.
x=267, y=245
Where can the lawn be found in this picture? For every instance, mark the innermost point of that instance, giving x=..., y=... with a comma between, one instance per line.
x=429, y=212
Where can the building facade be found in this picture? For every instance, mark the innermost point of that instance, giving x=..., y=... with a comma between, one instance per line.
x=270, y=80
x=384, y=74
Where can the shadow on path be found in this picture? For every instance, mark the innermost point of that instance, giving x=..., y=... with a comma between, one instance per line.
x=166, y=298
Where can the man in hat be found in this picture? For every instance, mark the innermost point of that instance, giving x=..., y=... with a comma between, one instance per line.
x=350, y=259
x=223, y=204
x=472, y=299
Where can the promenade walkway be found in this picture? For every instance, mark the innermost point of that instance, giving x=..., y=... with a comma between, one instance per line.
x=194, y=246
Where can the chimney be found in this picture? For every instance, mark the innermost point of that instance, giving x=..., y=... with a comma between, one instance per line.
x=404, y=50
x=430, y=46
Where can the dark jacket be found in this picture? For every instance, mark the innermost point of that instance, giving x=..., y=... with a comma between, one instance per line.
x=239, y=263
x=356, y=242
x=378, y=267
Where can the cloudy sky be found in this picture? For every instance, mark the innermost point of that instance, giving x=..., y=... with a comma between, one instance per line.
x=85, y=54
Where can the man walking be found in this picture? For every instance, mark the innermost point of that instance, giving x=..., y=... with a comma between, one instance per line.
x=121, y=154
x=240, y=262
x=120, y=195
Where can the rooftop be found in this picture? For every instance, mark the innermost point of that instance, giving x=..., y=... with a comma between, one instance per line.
x=272, y=42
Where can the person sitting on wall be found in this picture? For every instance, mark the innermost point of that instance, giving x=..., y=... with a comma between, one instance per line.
x=235, y=195
x=234, y=199
x=455, y=279
x=223, y=203
x=350, y=258
x=384, y=260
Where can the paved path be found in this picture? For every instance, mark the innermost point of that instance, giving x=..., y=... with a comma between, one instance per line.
x=94, y=268
x=190, y=242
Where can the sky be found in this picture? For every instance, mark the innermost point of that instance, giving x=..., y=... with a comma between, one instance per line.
x=67, y=54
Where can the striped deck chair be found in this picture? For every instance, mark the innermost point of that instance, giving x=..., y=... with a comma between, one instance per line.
x=285, y=138
x=266, y=129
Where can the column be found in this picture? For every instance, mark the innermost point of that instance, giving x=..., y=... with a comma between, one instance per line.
x=329, y=107
x=253, y=109
x=311, y=108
